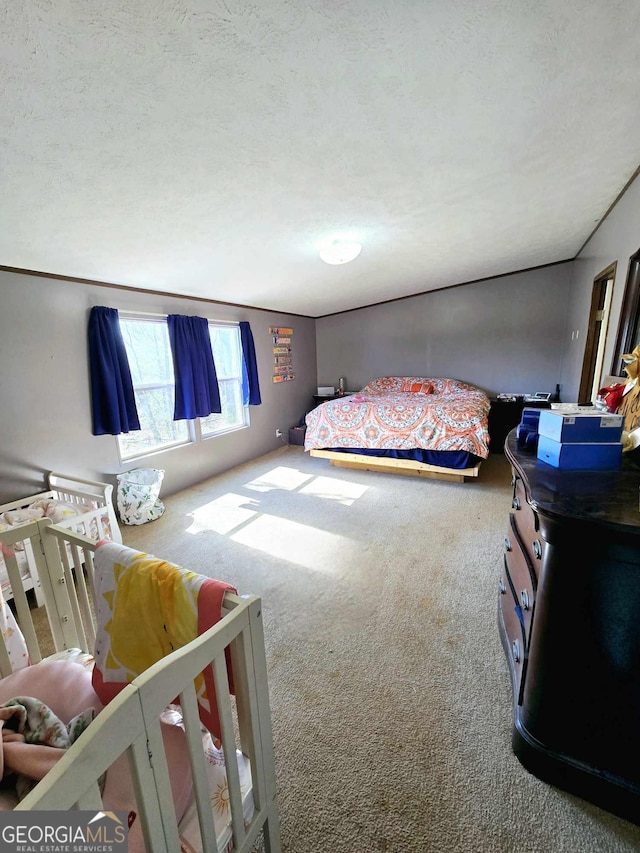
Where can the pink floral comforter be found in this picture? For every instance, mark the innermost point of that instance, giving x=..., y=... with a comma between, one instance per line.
x=402, y=413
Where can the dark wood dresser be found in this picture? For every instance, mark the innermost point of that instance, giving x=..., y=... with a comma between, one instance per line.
x=569, y=620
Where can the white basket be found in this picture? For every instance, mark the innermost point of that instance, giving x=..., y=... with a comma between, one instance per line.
x=138, y=495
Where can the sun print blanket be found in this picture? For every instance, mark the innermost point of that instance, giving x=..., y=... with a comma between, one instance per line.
x=403, y=413
x=145, y=609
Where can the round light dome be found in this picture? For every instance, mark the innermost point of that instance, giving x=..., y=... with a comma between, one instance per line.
x=340, y=251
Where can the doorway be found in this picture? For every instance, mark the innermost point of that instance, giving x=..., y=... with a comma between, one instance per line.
x=596, y=335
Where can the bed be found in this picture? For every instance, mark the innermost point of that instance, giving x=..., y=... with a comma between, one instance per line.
x=82, y=505
x=146, y=754
x=420, y=426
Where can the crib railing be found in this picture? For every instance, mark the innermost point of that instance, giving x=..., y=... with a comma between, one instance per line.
x=62, y=562
x=130, y=723
x=69, y=557
x=78, y=491
x=28, y=537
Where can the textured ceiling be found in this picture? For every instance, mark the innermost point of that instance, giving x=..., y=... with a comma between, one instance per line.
x=205, y=147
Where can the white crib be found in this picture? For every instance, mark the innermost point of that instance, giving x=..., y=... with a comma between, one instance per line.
x=84, y=506
x=130, y=724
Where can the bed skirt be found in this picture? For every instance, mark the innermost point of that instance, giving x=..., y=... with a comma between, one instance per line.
x=458, y=459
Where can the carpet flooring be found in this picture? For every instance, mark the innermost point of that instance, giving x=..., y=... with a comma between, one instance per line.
x=391, y=699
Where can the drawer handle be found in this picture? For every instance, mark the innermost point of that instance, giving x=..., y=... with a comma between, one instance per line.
x=515, y=504
x=537, y=549
x=507, y=544
x=515, y=647
x=524, y=598
x=503, y=588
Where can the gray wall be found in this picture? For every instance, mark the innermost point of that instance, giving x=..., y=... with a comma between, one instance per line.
x=506, y=334
x=617, y=238
x=45, y=418
x=503, y=335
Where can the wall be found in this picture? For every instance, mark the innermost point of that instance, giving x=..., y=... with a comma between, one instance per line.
x=504, y=334
x=45, y=420
x=617, y=238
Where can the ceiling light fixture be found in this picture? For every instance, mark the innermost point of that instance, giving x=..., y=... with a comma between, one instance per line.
x=340, y=251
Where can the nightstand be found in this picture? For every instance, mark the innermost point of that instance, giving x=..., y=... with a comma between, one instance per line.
x=505, y=415
x=319, y=398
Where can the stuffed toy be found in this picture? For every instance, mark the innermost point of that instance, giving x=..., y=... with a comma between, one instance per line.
x=630, y=405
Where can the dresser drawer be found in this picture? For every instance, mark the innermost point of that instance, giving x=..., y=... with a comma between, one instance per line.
x=521, y=574
x=525, y=519
x=520, y=505
x=514, y=632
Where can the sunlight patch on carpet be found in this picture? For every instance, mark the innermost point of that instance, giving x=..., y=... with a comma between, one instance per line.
x=297, y=543
x=334, y=489
x=282, y=477
x=223, y=514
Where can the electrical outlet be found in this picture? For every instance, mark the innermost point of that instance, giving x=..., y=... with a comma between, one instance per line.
x=278, y=433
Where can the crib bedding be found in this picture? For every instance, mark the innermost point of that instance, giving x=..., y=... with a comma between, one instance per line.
x=233, y=796
x=64, y=683
x=58, y=511
x=23, y=565
x=81, y=505
x=403, y=414
x=44, y=681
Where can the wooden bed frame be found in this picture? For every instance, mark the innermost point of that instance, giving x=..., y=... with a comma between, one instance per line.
x=388, y=465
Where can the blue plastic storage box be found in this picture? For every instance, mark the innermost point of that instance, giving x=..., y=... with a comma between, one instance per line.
x=530, y=416
x=591, y=427
x=580, y=456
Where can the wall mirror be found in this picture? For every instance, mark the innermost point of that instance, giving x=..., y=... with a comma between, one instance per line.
x=629, y=328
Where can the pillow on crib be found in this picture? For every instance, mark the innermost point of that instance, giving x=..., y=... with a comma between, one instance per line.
x=65, y=686
x=16, y=517
x=59, y=511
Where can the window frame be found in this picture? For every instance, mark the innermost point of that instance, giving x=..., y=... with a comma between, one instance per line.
x=195, y=432
x=245, y=409
x=135, y=316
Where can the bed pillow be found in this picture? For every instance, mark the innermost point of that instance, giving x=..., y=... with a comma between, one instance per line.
x=387, y=384
x=420, y=388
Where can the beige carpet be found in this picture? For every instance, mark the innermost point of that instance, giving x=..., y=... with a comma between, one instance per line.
x=390, y=695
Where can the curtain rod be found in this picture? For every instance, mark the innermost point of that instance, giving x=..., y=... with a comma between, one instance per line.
x=164, y=317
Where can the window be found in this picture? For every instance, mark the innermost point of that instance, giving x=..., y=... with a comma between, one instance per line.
x=149, y=353
x=227, y=356
x=147, y=343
